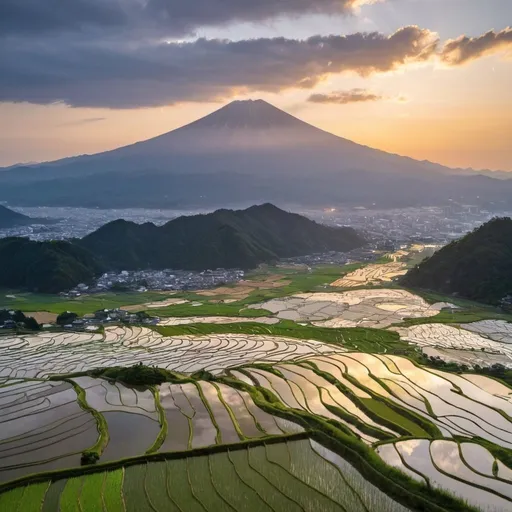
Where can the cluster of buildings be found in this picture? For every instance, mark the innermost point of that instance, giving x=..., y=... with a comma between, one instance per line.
x=91, y=322
x=427, y=225
x=144, y=280
x=366, y=253
x=8, y=324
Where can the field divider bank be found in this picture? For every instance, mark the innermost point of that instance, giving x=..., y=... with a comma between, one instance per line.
x=92, y=454
x=163, y=422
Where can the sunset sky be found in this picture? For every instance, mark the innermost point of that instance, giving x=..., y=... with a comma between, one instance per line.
x=431, y=79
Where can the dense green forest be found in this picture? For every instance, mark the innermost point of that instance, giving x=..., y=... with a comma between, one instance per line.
x=478, y=266
x=223, y=239
x=47, y=267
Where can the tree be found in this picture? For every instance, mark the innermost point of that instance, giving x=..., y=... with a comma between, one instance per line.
x=32, y=324
x=142, y=316
x=65, y=318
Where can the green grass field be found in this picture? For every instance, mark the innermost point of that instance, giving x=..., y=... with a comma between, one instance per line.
x=464, y=316
x=382, y=410
x=301, y=281
x=80, y=305
x=206, y=309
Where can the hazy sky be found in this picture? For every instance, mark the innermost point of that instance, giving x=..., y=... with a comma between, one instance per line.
x=431, y=79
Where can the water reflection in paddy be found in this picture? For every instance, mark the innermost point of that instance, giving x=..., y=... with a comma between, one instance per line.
x=130, y=435
x=416, y=454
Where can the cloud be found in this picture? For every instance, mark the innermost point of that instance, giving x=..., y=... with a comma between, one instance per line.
x=175, y=17
x=86, y=120
x=112, y=75
x=46, y=16
x=185, y=16
x=464, y=49
x=345, y=97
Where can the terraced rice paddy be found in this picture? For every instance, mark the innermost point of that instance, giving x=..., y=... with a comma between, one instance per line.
x=216, y=320
x=489, y=336
x=293, y=476
x=300, y=388
x=497, y=330
x=371, y=275
x=59, y=353
x=469, y=358
x=245, y=436
x=463, y=469
x=377, y=308
x=42, y=428
x=453, y=403
x=204, y=414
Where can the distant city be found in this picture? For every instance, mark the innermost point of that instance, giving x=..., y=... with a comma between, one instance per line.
x=144, y=280
x=386, y=230
x=398, y=226
x=78, y=222
x=436, y=225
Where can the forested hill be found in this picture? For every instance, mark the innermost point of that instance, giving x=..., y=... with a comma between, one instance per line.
x=478, y=266
x=224, y=238
x=44, y=266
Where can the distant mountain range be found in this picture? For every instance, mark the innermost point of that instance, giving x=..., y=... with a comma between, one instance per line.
x=248, y=152
x=11, y=219
x=223, y=239
x=478, y=266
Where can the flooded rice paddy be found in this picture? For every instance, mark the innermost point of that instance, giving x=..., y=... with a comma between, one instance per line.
x=455, y=341
x=378, y=308
x=374, y=398
x=59, y=353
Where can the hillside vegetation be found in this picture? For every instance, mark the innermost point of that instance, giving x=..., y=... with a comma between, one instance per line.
x=223, y=239
x=47, y=267
x=478, y=266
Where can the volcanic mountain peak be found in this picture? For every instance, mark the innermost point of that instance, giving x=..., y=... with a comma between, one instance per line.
x=249, y=125
x=247, y=151
x=251, y=114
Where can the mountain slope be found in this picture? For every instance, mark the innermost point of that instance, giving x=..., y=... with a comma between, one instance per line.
x=225, y=238
x=245, y=152
x=47, y=267
x=10, y=219
x=478, y=266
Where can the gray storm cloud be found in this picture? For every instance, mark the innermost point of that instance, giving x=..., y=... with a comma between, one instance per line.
x=130, y=76
x=174, y=17
x=187, y=15
x=48, y=16
x=464, y=49
x=345, y=97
